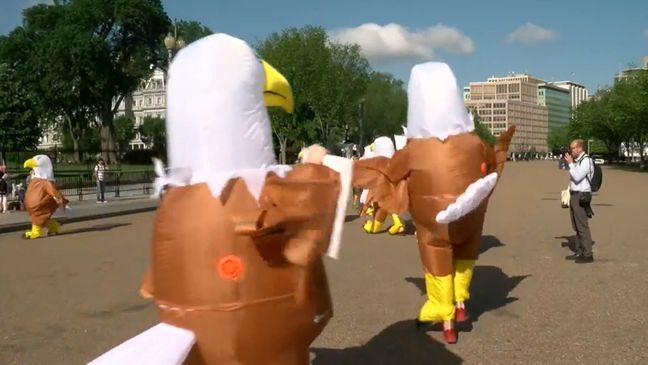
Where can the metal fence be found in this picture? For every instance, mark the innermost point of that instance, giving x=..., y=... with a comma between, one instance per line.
x=80, y=185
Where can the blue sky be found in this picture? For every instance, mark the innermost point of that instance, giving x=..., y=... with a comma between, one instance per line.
x=555, y=40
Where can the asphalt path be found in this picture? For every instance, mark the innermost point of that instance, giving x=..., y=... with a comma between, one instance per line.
x=69, y=298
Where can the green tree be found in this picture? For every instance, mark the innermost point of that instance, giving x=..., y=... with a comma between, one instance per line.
x=84, y=145
x=327, y=80
x=124, y=132
x=19, y=127
x=191, y=30
x=47, y=69
x=385, y=108
x=153, y=133
x=92, y=53
x=559, y=137
x=482, y=131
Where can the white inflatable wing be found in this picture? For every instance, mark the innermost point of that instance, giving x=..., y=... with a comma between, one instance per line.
x=160, y=345
x=469, y=200
x=345, y=168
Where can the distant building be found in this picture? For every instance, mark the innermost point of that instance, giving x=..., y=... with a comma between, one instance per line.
x=50, y=139
x=501, y=101
x=466, y=93
x=578, y=93
x=558, y=103
x=149, y=100
x=632, y=71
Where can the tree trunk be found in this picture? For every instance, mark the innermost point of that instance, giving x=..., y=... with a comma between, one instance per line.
x=282, y=149
x=107, y=134
x=76, y=156
x=282, y=153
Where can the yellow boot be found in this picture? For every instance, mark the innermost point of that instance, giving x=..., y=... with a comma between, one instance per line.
x=439, y=305
x=367, y=226
x=372, y=226
x=398, y=226
x=462, y=278
x=53, y=227
x=34, y=233
x=370, y=211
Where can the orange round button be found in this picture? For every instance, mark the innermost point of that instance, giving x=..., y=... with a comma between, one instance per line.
x=483, y=168
x=230, y=267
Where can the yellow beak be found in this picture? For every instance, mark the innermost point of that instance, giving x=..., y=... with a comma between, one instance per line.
x=277, y=91
x=30, y=164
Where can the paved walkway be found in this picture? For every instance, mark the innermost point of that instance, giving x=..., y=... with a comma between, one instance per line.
x=81, y=211
x=69, y=298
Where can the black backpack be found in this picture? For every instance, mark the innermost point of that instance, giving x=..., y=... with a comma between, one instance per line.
x=597, y=176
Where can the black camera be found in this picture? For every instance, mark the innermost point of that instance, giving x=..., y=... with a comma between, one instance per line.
x=563, y=150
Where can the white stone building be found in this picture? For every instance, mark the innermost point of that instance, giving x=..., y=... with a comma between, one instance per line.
x=149, y=100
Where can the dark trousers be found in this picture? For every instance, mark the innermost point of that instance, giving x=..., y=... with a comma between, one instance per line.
x=580, y=224
x=101, y=190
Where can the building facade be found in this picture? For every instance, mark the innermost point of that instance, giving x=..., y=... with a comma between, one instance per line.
x=558, y=103
x=501, y=101
x=629, y=72
x=577, y=92
x=50, y=139
x=149, y=100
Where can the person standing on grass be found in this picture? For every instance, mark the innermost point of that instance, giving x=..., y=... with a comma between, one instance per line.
x=100, y=178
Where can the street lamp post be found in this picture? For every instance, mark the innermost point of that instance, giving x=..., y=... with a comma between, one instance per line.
x=173, y=44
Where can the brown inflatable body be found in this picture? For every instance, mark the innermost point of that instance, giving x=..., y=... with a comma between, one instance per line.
x=42, y=199
x=425, y=177
x=247, y=278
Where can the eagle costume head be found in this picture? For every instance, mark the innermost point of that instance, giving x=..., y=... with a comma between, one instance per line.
x=383, y=146
x=435, y=107
x=217, y=122
x=42, y=166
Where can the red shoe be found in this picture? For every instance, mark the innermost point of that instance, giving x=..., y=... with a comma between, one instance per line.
x=461, y=315
x=450, y=336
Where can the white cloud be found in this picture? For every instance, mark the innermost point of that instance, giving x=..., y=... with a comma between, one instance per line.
x=531, y=33
x=393, y=42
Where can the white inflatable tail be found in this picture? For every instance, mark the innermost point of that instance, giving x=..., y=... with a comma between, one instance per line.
x=160, y=345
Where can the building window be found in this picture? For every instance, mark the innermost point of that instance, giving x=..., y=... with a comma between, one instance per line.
x=159, y=100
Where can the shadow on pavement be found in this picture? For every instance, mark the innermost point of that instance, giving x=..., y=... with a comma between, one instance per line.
x=489, y=290
x=97, y=228
x=570, y=242
x=488, y=242
x=400, y=343
x=351, y=217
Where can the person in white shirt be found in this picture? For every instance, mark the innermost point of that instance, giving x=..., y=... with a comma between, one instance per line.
x=100, y=177
x=581, y=171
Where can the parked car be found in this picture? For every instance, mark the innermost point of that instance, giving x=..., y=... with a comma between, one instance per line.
x=599, y=160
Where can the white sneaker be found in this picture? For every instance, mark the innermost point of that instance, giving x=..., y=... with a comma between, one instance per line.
x=105, y=201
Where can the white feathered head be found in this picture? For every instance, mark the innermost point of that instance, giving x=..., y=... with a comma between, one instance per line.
x=383, y=146
x=42, y=166
x=435, y=106
x=217, y=96
x=217, y=124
